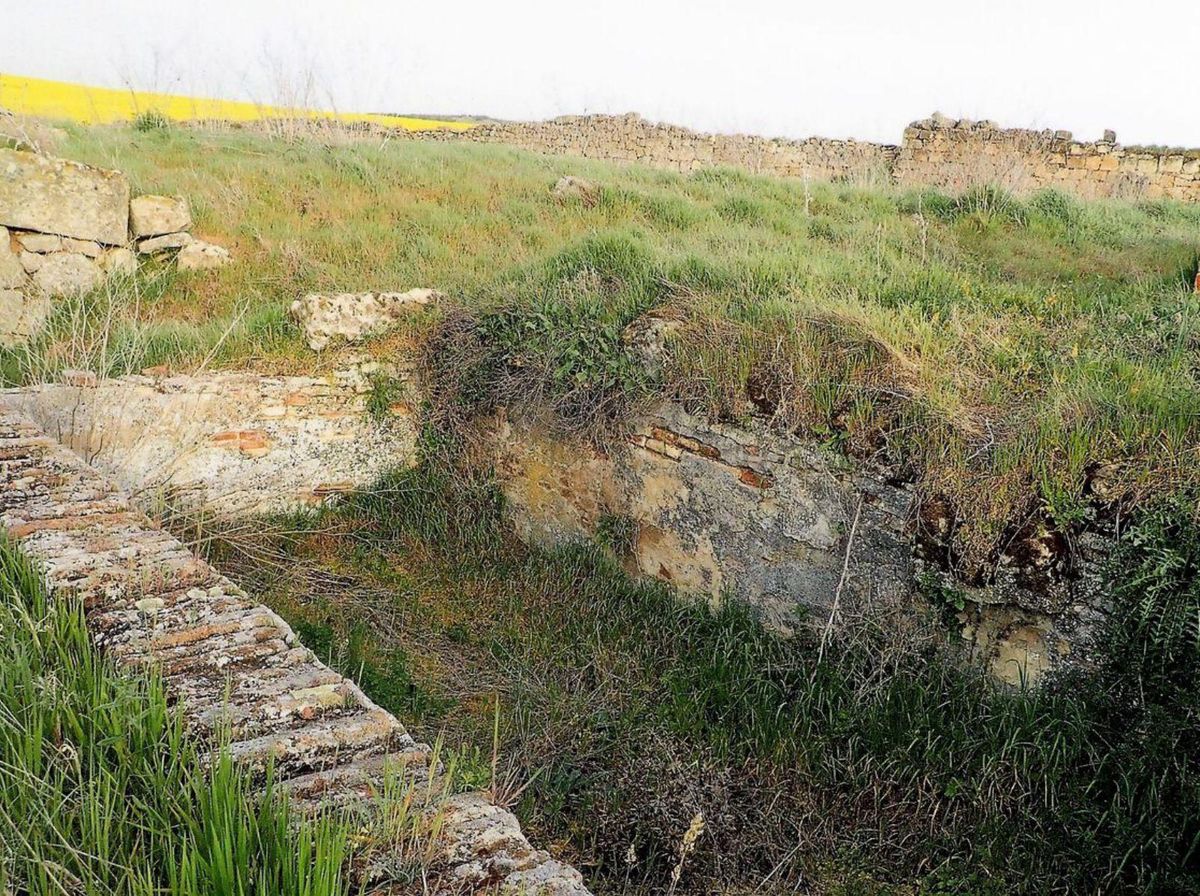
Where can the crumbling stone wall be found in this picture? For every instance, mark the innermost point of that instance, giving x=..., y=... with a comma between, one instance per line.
x=956, y=156
x=226, y=443
x=238, y=671
x=718, y=509
x=937, y=152
x=631, y=138
x=713, y=509
x=65, y=227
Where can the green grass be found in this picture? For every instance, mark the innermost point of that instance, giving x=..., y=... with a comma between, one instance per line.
x=102, y=791
x=883, y=767
x=1001, y=352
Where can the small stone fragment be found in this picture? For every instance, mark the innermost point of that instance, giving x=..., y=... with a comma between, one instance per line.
x=354, y=316
x=570, y=187
x=90, y=248
x=201, y=256
x=40, y=242
x=164, y=242
x=158, y=215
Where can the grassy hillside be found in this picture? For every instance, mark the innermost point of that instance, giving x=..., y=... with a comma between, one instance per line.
x=1015, y=356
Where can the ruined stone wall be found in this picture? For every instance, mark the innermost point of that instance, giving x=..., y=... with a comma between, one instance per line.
x=225, y=443
x=631, y=138
x=937, y=152
x=712, y=509
x=785, y=525
x=956, y=156
x=238, y=671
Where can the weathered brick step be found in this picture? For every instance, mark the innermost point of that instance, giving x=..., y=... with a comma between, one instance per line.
x=235, y=666
x=364, y=779
x=325, y=744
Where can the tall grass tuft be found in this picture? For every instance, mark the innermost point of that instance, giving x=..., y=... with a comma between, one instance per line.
x=103, y=792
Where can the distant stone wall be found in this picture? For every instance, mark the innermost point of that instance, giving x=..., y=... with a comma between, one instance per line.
x=937, y=152
x=631, y=138
x=956, y=156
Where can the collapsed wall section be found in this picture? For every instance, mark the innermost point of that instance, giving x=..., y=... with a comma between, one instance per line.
x=230, y=443
x=710, y=508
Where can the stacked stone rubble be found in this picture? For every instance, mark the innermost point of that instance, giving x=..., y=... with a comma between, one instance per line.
x=234, y=664
x=65, y=227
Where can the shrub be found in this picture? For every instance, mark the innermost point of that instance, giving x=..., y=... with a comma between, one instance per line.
x=151, y=120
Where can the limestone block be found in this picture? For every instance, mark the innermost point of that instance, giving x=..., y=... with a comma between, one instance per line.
x=162, y=243
x=570, y=187
x=40, y=242
x=31, y=261
x=65, y=198
x=67, y=273
x=90, y=248
x=354, y=316
x=198, y=255
x=158, y=215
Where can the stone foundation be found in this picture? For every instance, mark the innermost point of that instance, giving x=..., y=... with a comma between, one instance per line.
x=226, y=443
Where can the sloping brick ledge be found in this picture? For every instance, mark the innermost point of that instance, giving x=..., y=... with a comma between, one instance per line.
x=232, y=662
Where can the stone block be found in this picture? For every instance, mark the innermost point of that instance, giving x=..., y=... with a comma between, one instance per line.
x=198, y=255
x=158, y=215
x=66, y=273
x=61, y=197
x=40, y=242
x=163, y=243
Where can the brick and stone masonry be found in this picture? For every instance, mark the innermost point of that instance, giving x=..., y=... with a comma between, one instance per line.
x=231, y=662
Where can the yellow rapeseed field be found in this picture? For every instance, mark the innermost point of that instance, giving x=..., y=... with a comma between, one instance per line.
x=100, y=105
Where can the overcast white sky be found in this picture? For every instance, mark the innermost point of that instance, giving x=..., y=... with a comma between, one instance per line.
x=837, y=68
